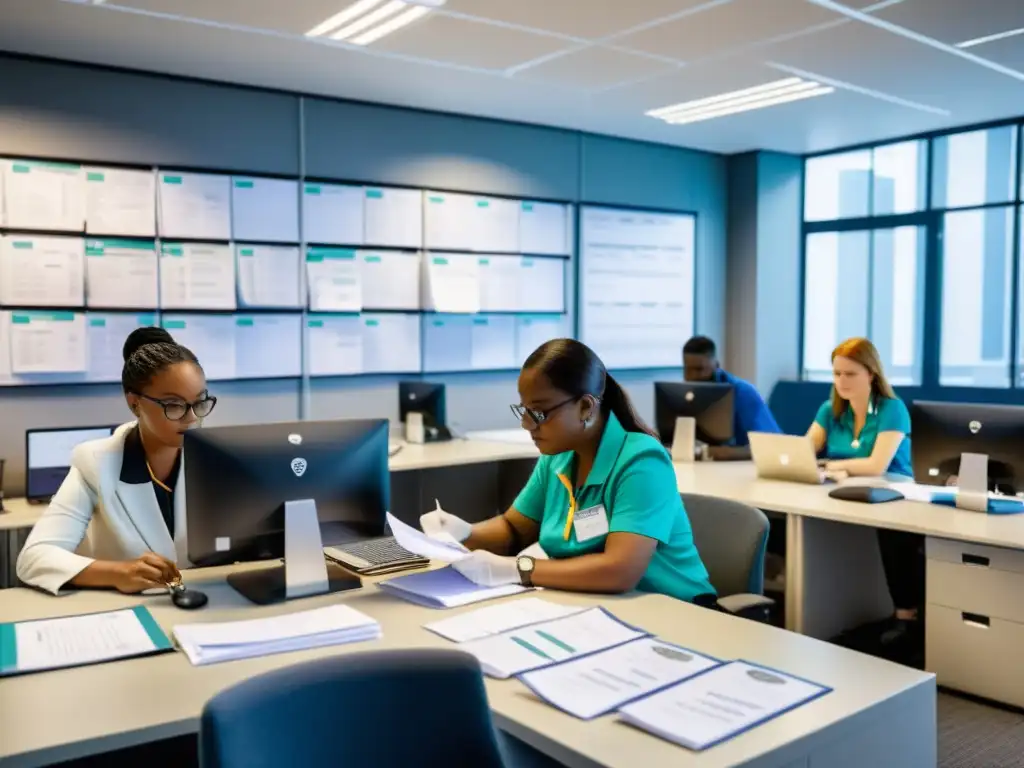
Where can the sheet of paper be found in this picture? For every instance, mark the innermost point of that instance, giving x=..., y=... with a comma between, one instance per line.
x=335, y=280
x=393, y=217
x=334, y=344
x=268, y=346
x=604, y=681
x=445, y=588
x=43, y=195
x=710, y=708
x=499, y=618
x=119, y=201
x=451, y=283
x=538, y=645
x=442, y=549
x=75, y=640
x=42, y=271
x=515, y=436
x=197, y=276
x=48, y=342
x=269, y=276
x=264, y=210
x=210, y=337
x=121, y=274
x=106, y=334
x=332, y=214
x=449, y=221
x=391, y=343
x=544, y=228
x=541, y=284
x=391, y=279
x=447, y=343
x=495, y=225
x=493, y=340
x=7, y=377
x=534, y=330
x=500, y=288
x=194, y=205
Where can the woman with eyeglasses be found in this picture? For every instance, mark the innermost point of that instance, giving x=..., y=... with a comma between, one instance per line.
x=118, y=519
x=602, y=502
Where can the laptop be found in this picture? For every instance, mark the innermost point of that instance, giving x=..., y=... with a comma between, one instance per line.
x=785, y=457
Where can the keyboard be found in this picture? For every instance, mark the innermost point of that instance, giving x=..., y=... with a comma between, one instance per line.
x=375, y=556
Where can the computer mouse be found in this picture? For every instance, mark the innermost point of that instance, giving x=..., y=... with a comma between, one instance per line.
x=189, y=598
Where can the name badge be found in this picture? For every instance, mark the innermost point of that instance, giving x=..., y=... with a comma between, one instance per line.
x=590, y=523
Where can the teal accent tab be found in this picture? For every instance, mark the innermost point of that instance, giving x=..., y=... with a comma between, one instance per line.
x=126, y=245
x=528, y=207
x=436, y=198
x=58, y=317
x=373, y=323
x=170, y=249
x=22, y=245
x=373, y=259
x=244, y=184
x=483, y=203
x=173, y=325
x=94, y=176
x=485, y=262
x=245, y=322
x=440, y=260
x=21, y=168
x=8, y=649
x=527, y=262
x=438, y=323
x=479, y=321
x=246, y=252
x=20, y=319
x=319, y=254
x=157, y=635
x=27, y=164
x=97, y=322
x=173, y=180
x=145, y=321
x=312, y=189
x=375, y=194
x=315, y=324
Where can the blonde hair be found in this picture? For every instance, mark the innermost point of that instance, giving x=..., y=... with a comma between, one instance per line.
x=861, y=351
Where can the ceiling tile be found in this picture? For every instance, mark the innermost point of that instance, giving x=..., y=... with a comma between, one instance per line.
x=726, y=27
x=596, y=68
x=580, y=18
x=295, y=17
x=954, y=21
x=469, y=43
x=1009, y=52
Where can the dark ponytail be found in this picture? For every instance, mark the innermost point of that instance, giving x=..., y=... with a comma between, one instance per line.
x=147, y=351
x=575, y=369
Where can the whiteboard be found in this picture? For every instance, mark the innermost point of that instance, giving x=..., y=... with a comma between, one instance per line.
x=265, y=210
x=636, y=285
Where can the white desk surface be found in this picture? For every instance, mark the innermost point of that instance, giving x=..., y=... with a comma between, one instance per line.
x=18, y=513
x=738, y=481
x=71, y=713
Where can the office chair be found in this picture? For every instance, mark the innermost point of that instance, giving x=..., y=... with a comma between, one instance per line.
x=388, y=709
x=731, y=538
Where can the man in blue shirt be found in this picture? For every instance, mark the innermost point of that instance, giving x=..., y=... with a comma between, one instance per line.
x=700, y=363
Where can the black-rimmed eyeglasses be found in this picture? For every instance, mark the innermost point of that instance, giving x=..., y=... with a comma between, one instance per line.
x=536, y=416
x=176, y=410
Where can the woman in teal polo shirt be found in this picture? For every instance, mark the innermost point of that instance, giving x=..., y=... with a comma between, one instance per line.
x=602, y=502
x=863, y=429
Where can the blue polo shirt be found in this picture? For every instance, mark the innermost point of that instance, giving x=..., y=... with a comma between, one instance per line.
x=634, y=481
x=751, y=413
x=885, y=414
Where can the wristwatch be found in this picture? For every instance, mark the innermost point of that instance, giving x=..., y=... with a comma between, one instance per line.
x=525, y=564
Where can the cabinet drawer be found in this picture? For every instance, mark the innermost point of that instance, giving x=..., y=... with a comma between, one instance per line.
x=982, y=555
x=976, y=589
x=975, y=654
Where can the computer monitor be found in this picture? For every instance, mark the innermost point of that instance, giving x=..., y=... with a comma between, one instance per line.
x=245, y=490
x=48, y=457
x=428, y=399
x=709, y=403
x=941, y=432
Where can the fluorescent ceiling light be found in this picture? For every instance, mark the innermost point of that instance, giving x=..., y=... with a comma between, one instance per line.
x=757, y=97
x=365, y=21
x=990, y=38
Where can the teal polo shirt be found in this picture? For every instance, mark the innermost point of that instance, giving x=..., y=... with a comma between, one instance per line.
x=634, y=480
x=885, y=414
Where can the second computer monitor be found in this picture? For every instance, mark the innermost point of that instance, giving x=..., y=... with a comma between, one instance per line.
x=942, y=432
x=428, y=399
x=710, y=404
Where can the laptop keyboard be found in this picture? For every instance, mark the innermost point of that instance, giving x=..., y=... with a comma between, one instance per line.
x=378, y=552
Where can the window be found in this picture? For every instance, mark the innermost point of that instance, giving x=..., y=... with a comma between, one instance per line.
x=977, y=268
x=975, y=168
x=900, y=178
x=837, y=186
x=865, y=283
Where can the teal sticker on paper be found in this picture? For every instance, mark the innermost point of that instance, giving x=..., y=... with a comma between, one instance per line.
x=98, y=247
x=173, y=180
x=479, y=321
x=174, y=325
x=173, y=250
x=244, y=184
x=527, y=207
x=485, y=262
x=312, y=189
x=438, y=323
x=145, y=321
x=440, y=260
x=22, y=245
x=8, y=648
x=483, y=203
x=527, y=262
x=97, y=322
x=315, y=324
x=373, y=323
x=94, y=176
x=375, y=194
x=21, y=168
x=373, y=259
x=246, y=252
x=244, y=322
x=94, y=248
x=436, y=199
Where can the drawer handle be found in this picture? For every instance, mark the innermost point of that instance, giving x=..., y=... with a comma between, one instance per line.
x=967, y=559
x=976, y=619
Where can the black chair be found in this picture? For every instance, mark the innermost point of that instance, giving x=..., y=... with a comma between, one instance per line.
x=387, y=709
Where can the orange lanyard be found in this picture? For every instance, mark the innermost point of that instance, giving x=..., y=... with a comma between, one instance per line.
x=572, y=505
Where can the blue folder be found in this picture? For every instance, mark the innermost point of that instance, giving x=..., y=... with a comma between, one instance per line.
x=1001, y=506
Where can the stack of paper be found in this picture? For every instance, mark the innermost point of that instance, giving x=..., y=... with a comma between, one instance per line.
x=445, y=588
x=495, y=619
x=228, y=641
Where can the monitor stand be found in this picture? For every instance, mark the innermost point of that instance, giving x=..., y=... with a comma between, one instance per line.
x=972, y=482
x=305, y=571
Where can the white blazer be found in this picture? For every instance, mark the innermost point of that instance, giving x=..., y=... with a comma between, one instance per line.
x=95, y=516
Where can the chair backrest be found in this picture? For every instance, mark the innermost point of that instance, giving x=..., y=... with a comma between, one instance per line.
x=731, y=538
x=377, y=709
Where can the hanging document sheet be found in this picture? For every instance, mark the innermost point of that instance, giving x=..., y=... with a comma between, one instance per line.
x=500, y=289
x=541, y=284
x=534, y=330
x=196, y=276
x=393, y=217
x=447, y=343
x=334, y=345
x=334, y=279
x=121, y=274
x=106, y=334
x=544, y=228
x=720, y=704
x=194, y=205
x=332, y=214
x=265, y=210
x=391, y=343
x=120, y=202
x=48, y=342
x=43, y=195
x=493, y=343
x=449, y=221
x=451, y=283
x=268, y=346
x=6, y=376
x=211, y=338
x=391, y=279
x=42, y=271
x=269, y=276
x=495, y=225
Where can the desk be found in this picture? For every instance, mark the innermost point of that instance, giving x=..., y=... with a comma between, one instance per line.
x=879, y=713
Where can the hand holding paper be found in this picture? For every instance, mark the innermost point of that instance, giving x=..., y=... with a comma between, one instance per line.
x=439, y=522
x=488, y=569
x=442, y=547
